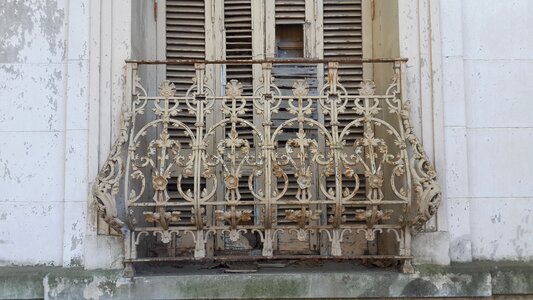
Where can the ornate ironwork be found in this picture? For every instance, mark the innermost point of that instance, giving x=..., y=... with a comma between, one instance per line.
x=191, y=188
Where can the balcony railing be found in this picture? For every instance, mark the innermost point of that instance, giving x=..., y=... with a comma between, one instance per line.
x=192, y=190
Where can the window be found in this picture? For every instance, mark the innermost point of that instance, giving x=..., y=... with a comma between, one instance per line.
x=285, y=166
x=340, y=37
x=289, y=41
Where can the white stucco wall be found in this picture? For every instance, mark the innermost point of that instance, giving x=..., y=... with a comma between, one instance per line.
x=43, y=131
x=61, y=87
x=488, y=75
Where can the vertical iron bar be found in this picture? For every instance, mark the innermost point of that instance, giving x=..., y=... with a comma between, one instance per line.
x=198, y=149
x=267, y=149
x=406, y=238
x=131, y=77
x=335, y=143
x=336, y=231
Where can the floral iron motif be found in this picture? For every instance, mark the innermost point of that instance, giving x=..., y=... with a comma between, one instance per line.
x=327, y=166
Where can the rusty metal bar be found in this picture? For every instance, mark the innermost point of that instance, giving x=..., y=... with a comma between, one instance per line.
x=263, y=61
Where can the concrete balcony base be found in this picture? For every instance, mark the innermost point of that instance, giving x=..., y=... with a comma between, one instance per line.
x=327, y=281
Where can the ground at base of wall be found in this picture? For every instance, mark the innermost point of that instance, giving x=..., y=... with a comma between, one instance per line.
x=327, y=280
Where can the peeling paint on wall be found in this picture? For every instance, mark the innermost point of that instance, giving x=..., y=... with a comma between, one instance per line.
x=43, y=127
x=24, y=20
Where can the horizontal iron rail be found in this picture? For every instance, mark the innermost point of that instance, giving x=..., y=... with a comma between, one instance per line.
x=360, y=225
x=246, y=203
x=278, y=257
x=260, y=61
x=278, y=97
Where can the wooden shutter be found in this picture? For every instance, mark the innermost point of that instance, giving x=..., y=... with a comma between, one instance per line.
x=185, y=32
x=290, y=11
x=185, y=39
x=289, y=43
x=289, y=20
x=238, y=28
x=238, y=45
x=343, y=38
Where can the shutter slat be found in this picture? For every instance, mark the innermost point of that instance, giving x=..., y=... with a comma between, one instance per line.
x=185, y=39
x=343, y=39
x=238, y=28
x=290, y=12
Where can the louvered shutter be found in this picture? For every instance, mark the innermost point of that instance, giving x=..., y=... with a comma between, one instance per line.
x=238, y=43
x=238, y=28
x=290, y=11
x=343, y=38
x=185, y=39
x=185, y=32
x=290, y=36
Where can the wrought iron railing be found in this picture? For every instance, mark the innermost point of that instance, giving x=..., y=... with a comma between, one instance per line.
x=170, y=193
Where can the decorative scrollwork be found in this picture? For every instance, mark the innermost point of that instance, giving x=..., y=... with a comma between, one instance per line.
x=234, y=217
x=302, y=216
x=367, y=88
x=167, y=89
x=234, y=89
x=163, y=219
x=372, y=216
x=300, y=88
x=425, y=183
x=107, y=183
x=321, y=164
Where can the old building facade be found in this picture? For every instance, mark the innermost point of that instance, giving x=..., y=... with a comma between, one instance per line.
x=64, y=80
